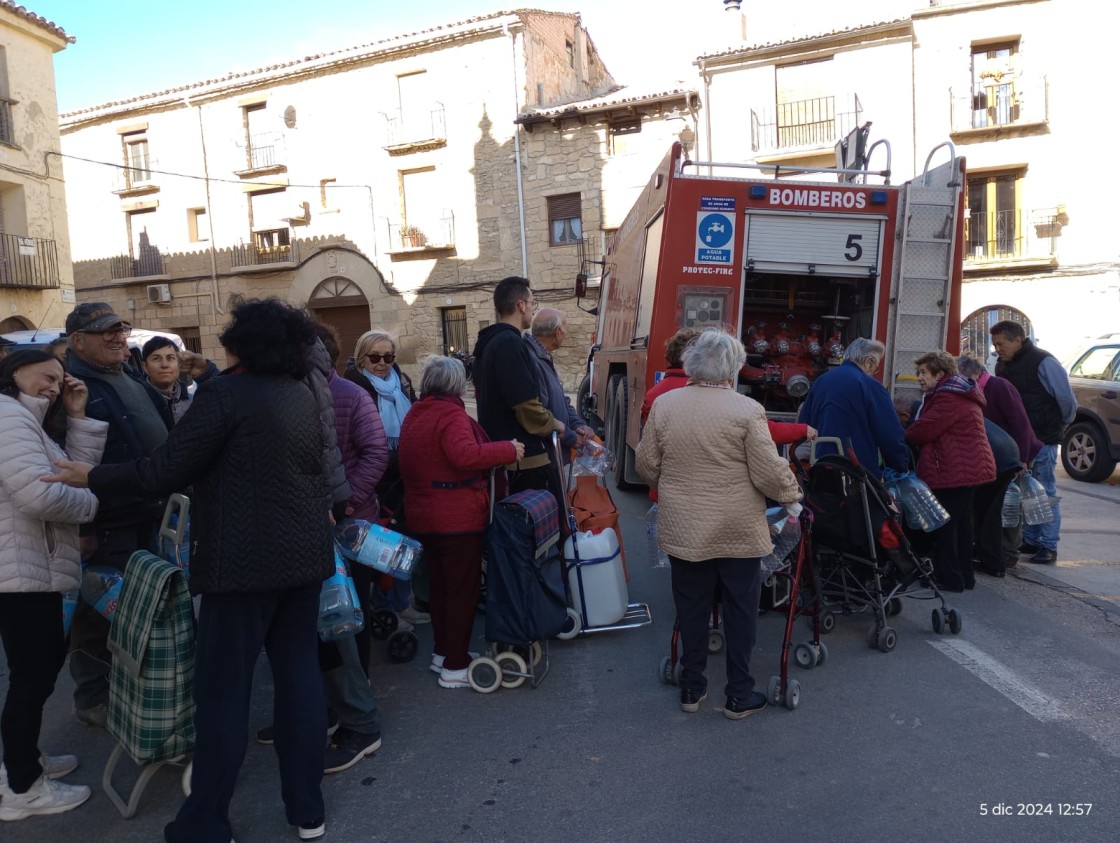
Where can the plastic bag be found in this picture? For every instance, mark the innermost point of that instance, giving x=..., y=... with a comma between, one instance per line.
x=592, y=458
x=785, y=533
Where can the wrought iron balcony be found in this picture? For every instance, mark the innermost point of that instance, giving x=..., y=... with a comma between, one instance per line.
x=149, y=262
x=996, y=236
x=264, y=253
x=1004, y=103
x=28, y=262
x=264, y=152
x=137, y=178
x=420, y=128
x=7, y=128
x=817, y=122
x=433, y=232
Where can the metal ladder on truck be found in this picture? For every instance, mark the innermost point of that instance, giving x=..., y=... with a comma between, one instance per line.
x=921, y=285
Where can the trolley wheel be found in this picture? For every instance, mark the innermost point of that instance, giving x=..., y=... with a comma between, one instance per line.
x=828, y=622
x=792, y=697
x=402, y=647
x=536, y=653
x=822, y=653
x=887, y=639
x=774, y=690
x=804, y=656
x=513, y=669
x=382, y=624
x=677, y=673
x=894, y=607
x=715, y=640
x=954, y=622
x=485, y=675
x=572, y=626
x=665, y=671
x=873, y=636
x=187, y=773
x=938, y=621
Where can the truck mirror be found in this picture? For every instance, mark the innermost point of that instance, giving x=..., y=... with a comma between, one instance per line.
x=581, y=285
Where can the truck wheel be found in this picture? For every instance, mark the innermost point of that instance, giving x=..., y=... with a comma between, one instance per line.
x=582, y=395
x=623, y=456
x=1085, y=453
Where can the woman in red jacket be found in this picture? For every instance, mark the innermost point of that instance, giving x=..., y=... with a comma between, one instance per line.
x=445, y=460
x=954, y=459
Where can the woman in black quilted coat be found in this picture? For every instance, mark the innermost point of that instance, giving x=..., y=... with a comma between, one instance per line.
x=251, y=446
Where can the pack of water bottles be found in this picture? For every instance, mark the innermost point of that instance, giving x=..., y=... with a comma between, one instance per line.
x=340, y=609
x=377, y=547
x=785, y=533
x=921, y=508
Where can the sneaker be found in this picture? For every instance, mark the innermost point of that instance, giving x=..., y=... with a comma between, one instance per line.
x=1045, y=556
x=312, y=831
x=437, y=662
x=690, y=700
x=454, y=678
x=44, y=797
x=1029, y=549
x=737, y=709
x=267, y=734
x=97, y=716
x=54, y=767
x=410, y=614
x=348, y=747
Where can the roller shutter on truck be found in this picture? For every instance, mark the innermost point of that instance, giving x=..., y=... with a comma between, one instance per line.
x=832, y=246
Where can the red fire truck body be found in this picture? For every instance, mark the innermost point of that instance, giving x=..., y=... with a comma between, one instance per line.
x=796, y=269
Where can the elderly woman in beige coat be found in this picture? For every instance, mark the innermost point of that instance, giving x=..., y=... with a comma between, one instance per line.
x=708, y=450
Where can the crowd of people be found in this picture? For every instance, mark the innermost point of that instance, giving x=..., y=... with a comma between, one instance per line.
x=275, y=447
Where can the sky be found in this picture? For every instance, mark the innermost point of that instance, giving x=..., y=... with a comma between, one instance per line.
x=130, y=47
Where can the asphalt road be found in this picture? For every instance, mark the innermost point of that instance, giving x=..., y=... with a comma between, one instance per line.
x=1004, y=732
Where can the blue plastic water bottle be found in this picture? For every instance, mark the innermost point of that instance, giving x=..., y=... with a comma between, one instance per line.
x=69, y=607
x=101, y=589
x=340, y=610
x=376, y=547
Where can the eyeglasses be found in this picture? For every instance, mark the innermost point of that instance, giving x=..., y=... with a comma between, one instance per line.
x=377, y=358
x=531, y=302
x=112, y=333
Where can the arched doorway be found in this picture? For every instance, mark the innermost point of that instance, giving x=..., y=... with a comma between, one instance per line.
x=975, y=338
x=340, y=303
x=14, y=323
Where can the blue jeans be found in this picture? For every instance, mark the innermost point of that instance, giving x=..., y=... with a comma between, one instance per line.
x=1045, y=535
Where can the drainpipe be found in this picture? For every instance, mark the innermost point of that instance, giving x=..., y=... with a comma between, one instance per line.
x=215, y=298
x=517, y=154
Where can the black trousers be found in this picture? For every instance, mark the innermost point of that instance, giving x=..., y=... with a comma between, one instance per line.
x=952, y=556
x=31, y=629
x=231, y=630
x=694, y=588
x=987, y=519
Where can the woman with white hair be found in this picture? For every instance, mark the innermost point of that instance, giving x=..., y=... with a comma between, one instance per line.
x=446, y=459
x=709, y=452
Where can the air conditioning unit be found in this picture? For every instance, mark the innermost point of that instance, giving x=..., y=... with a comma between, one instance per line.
x=159, y=293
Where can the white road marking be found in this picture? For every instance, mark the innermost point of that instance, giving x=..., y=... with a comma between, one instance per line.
x=1003, y=679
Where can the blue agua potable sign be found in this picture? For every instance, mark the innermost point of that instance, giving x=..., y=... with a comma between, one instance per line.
x=715, y=230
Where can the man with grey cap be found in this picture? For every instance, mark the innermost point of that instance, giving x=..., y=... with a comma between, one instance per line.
x=546, y=334
x=139, y=420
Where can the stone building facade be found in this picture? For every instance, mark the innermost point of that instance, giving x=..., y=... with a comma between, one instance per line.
x=1005, y=81
x=36, y=279
x=385, y=185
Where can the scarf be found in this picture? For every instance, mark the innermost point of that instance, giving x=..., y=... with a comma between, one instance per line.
x=948, y=383
x=392, y=403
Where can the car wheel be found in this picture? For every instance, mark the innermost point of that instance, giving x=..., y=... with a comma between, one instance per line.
x=1086, y=454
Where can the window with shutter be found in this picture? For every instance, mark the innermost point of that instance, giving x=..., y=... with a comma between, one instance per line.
x=565, y=224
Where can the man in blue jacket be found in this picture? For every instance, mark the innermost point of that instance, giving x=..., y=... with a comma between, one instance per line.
x=848, y=403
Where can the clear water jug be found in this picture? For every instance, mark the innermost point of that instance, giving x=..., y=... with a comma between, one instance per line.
x=1036, y=503
x=922, y=508
x=376, y=547
x=340, y=610
x=1012, y=506
x=658, y=558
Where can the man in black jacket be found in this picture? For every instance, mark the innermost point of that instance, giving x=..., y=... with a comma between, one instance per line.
x=139, y=419
x=508, y=388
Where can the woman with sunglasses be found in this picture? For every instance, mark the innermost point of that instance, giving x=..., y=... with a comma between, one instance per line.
x=375, y=370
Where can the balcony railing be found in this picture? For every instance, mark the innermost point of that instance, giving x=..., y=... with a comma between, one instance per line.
x=264, y=151
x=253, y=254
x=1014, y=102
x=423, y=233
x=28, y=262
x=995, y=236
x=7, y=129
x=820, y=121
x=416, y=127
x=150, y=262
x=136, y=177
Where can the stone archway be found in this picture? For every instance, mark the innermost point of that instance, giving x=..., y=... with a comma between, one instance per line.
x=974, y=328
x=15, y=323
x=340, y=303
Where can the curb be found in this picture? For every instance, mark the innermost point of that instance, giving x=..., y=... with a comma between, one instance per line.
x=1038, y=577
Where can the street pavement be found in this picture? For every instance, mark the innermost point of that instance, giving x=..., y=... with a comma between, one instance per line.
x=1007, y=732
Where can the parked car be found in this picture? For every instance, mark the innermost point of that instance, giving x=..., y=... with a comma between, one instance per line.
x=42, y=336
x=1091, y=444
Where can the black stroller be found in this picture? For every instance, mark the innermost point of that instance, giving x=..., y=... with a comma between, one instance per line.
x=863, y=558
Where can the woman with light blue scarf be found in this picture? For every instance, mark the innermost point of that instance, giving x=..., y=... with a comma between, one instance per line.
x=375, y=370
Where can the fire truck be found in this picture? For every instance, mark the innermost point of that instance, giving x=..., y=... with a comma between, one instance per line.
x=796, y=267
